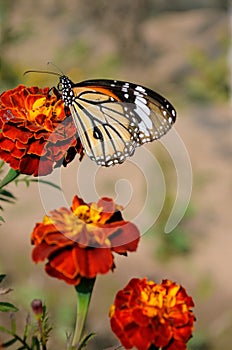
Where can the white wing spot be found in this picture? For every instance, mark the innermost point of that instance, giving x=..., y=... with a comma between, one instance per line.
x=124, y=89
x=140, y=88
x=140, y=101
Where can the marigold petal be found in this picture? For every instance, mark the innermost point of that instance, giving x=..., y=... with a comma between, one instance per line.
x=13, y=133
x=10, y=146
x=108, y=208
x=162, y=334
x=14, y=162
x=34, y=166
x=54, y=273
x=57, y=239
x=64, y=262
x=76, y=202
x=135, y=334
x=93, y=261
x=41, y=230
x=175, y=345
x=118, y=329
x=42, y=251
x=126, y=239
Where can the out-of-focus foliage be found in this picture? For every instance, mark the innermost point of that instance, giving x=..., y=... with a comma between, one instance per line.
x=8, y=72
x=210, y=81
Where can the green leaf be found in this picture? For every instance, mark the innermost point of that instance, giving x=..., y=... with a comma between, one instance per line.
x=1, y=218
x=2, y=277
x=6, y=193
x=28, y=179
x=8, y=343
x=3, y=199
x=10, y=176
x=35, y=344
x=47, y=183
x=5, y=330
x=84, y=341
x=6, y=307
x=2, y=163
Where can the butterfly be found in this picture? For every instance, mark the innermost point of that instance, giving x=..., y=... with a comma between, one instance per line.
x=114, y=117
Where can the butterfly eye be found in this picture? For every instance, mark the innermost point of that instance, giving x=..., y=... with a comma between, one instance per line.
x=60, y=86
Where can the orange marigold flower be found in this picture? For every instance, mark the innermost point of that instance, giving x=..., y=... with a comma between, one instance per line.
x=36, y=135
x=147, y=315
x=78, y=242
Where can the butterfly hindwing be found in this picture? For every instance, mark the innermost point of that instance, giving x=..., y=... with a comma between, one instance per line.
x=114, y=117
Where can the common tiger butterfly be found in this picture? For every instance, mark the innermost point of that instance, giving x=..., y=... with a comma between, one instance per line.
x=114, y=117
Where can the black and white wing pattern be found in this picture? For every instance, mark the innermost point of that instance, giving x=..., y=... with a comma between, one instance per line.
x=114, y=117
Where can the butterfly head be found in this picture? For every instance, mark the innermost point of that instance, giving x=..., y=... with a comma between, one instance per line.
x=65, y=87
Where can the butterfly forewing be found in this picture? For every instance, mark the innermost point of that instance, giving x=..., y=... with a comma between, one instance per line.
x=115, y=117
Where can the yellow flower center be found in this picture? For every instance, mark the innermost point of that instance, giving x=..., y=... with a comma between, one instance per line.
x=84, y=224
x=155, y=300
x=90, y=215
x=38, y=108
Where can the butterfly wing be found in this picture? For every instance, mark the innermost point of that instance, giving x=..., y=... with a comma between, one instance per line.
x=114, y=117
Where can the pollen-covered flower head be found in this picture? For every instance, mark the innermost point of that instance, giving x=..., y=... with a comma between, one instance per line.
x=36, y=135
x=79, y=242
x=147, y=315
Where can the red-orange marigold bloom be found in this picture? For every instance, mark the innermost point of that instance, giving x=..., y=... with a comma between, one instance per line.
x=36, y=135
x=148, y=315
x=78, y=242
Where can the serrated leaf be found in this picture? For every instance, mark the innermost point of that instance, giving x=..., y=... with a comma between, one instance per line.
x=7, y=307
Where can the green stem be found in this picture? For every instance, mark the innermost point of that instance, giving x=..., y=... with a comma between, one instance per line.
x=21, y=341
x=84, y=292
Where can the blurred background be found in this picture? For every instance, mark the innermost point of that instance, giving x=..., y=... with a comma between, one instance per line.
x=181, y=49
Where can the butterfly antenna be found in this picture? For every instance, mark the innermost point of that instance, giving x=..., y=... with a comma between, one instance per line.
x=55, y=66
x=42, y=71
